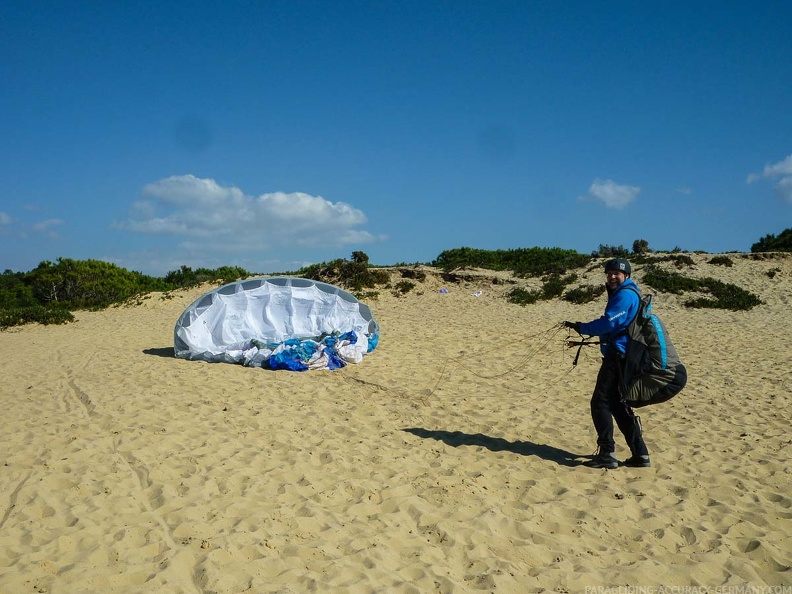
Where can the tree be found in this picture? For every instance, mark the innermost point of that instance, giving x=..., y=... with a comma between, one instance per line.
x=771, y=243
x=640, y=246
x=360, y=258
x=86, y=284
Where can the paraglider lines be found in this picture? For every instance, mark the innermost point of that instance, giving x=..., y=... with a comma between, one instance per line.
x=544, y=338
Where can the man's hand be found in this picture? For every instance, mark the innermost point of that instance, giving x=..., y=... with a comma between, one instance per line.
x=574, y=325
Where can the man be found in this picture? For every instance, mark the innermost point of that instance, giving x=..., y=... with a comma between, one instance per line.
x=607, y=401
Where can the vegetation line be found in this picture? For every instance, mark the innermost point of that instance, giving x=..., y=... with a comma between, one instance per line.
x=50, y=293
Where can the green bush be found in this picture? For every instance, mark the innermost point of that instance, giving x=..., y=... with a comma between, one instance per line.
x=682, y=260
x=554, y=285
x=724, y=295
x=14, y=292
x=17, y=316
x=584, y=294
x=771, y=243
x=523, y=262
x=669, y=282
x=722, y=261
x=678, y=260
x=186, y=277
x=87, y=284
x=521, y=296
x=610, y=251
x=354, y=275
x=413, y=273
x=403, y=287
x=47, y=293
x=641, y=246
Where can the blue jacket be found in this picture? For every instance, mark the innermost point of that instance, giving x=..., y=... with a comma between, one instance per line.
x=622, y=306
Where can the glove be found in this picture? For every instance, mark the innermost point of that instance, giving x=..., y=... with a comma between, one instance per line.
x=574, y=325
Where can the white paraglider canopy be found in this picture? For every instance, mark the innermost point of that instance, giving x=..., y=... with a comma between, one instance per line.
x=248, y=321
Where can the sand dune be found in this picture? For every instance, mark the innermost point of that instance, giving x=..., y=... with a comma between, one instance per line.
x=448, y=461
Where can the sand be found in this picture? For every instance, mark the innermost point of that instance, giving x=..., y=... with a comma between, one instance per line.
x=449, y=460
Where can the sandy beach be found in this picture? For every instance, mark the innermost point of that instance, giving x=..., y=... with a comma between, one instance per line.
x=449, y=460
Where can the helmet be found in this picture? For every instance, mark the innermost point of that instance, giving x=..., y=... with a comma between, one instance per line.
x=619, y=264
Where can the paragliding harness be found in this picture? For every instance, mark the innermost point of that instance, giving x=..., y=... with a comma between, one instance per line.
x=652, y=371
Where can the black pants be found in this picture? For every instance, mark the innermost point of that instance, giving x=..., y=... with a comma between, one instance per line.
x=607, y=404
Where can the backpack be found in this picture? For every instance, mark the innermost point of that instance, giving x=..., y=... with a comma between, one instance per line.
x=653, y=372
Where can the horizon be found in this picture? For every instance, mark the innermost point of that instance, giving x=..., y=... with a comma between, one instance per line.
x=275, y=136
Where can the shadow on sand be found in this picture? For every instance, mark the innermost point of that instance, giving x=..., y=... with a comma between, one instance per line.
x=497, y=444
x=167, y=352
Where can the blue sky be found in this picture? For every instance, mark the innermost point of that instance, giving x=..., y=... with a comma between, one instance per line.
x=275, y=134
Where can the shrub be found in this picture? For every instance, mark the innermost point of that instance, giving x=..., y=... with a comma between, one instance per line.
x=418, y=275
x=403, y=287
x=771, y=243
x=610, y=251
x=87, y=284
x=49, y=292
x=523, y=297
x=554, y=285
x=722, y=261
x=14, y=292
x=640, y=246
x=523, y=262
x=186, y=277
x=670, y=282
x=584, y=294
x=724, y=295
x=352, y=275
x=17, y=316
x=678, y=260
x=682, y=260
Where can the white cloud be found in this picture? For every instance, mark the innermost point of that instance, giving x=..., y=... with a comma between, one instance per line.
x=782, y=172
x=45, y=226
x=783, y=189
x=188, y=190
x=611, y=194
x=15, y=228
x=780, y=169
x=225, y=218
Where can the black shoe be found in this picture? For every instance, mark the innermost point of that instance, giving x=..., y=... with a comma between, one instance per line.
x=637, y=462
x=602, y=460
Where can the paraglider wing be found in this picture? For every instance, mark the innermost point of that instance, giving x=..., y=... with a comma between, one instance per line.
x=279, y=322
